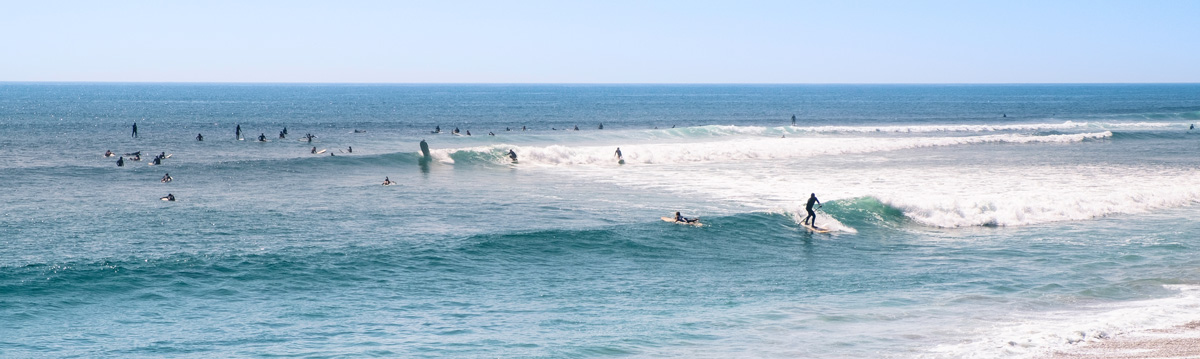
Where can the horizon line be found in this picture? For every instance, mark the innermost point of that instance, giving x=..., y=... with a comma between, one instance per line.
x=588, y=83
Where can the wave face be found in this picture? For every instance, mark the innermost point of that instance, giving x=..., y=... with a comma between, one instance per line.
x=963, y=221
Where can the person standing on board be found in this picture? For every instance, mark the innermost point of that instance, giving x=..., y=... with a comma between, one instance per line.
x=809, y=207
x=134, y=134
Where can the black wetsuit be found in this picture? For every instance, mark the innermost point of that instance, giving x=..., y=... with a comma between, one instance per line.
x=809, y=207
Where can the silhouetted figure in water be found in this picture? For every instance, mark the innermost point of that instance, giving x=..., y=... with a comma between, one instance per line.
x=618, y=154
x=167, y=178
x=424, y=149
x=512, y=155
x=437, y=129
x=121, y=162
x=262, y=137
x=314, y=151
x=169, y=197
x=793, y=120
x=576, y=127
x=809, y=207
x=601, y=127
x=199, y=137
x=238, y=131
x=134, y=134
x=282, y=135
x=1192, y=127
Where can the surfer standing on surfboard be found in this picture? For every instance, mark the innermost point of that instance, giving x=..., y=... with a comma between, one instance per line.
x=812, y=199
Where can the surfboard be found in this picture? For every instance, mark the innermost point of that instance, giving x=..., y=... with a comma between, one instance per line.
x=321, y=151
x=672, y=220
x=814, y=229
x=621, y=162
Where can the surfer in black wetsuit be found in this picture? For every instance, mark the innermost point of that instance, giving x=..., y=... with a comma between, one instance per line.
x=262, y=137
x=314, y=151
x=601, y=127
x=121, y=162
x=134, y=134
x=167, y=178
x=808, y=207
x=681, y=218
x=512, y=155
x=424, y=149
x=1192, y=127
x=618, y=154
x=793, y=120
x=157, y=160
x=387, y=181
x=199, y=137
x=238, y=131
x=109, y=153
x=169, y=197
x=282, y=135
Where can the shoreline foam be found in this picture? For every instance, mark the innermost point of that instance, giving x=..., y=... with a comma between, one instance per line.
x=1179, y=342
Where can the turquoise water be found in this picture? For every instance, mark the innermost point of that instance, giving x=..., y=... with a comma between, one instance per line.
x=967, y=221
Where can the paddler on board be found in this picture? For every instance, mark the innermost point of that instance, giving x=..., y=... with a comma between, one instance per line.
x=680, y=218
x=809, y=207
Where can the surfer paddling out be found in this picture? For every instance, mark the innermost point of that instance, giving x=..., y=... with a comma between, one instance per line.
x=679, y=218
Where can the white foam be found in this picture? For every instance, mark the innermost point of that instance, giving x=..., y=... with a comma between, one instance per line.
x=1038, y=334
x=740, y=149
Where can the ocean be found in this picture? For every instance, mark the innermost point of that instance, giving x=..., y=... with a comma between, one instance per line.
x=966, y=221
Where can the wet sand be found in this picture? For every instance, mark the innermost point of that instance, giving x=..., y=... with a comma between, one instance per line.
x=1179, y=342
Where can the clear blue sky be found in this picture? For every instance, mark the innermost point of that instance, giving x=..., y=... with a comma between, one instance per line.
x=601, y=41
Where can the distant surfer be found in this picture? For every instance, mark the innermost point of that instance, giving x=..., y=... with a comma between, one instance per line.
x=618, y=154
x=522, y=128
x=109, y=153
x=387, y=181
x=134, y=134
x=1192, y=127
x=169, y=197
x=576, y=127
x=793, y=120
x=262, y=137
x=121, y=162
x=424, y=149
x=167, y=178
x=157, y=160
x=437, y=129
x=199, y=137
x=491, y=134
x=682, y=219
x=468, y=132
x=314, y=151
x=238, y=131
x=455, y=130
x=809, y=207
x=512, y=155
x=284, y=131
x=282, y=135
x=601, y=127
x=349, y=149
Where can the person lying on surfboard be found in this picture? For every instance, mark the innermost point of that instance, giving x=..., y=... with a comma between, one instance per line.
x=813, y=215
x=387, y=181
x=681, y=218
